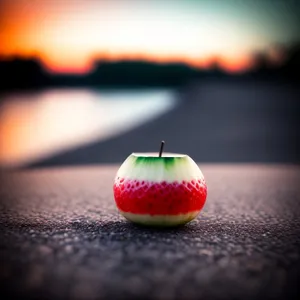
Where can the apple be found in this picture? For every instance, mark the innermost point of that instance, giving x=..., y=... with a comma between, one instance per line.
x=162, y=190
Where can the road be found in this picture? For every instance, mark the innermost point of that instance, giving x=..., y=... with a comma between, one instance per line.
x=215, y=122
x=61, y=237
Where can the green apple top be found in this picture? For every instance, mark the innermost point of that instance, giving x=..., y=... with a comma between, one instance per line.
x=150, y=167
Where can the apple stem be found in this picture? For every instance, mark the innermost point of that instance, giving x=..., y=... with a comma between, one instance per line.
x=161, y=148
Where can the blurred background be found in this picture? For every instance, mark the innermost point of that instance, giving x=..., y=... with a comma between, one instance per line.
x=90, y=81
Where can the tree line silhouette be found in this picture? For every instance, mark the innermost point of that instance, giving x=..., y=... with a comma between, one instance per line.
x=21, y=73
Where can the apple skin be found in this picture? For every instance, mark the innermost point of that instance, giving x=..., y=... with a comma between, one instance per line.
x=164, y=191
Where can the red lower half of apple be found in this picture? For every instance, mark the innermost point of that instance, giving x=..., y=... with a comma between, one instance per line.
x=160, y=203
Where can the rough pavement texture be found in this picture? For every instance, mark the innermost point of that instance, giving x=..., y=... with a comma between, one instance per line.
x=62, y=237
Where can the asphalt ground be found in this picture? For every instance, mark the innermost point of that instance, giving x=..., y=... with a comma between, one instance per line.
x=61, y=237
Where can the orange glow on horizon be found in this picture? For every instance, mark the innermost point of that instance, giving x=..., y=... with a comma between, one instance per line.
x=62, y=39
x=85, y=66
x=71, y=65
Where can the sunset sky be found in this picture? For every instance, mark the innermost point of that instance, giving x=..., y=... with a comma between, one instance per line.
x=68, y=34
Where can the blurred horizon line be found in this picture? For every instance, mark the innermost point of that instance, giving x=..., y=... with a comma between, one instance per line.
x=275, y=55
x=30, y=72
